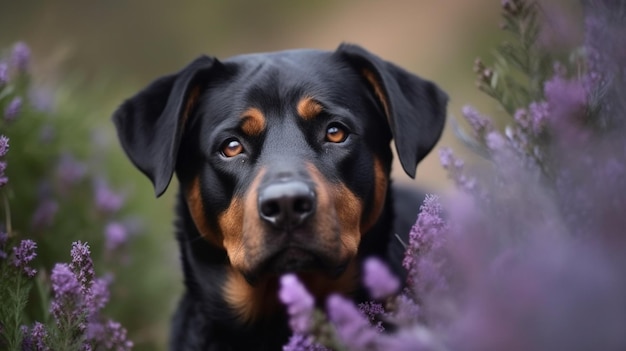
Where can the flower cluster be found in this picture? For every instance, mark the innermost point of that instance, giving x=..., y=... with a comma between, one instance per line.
x=78, y=299
x=46, y=181
x=529, y=254
x=23, y=254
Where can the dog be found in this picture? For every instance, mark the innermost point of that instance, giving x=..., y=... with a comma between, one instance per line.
x=283, y=161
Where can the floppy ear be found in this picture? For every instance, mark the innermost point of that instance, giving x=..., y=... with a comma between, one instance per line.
x=415, y=108
x=150, y=124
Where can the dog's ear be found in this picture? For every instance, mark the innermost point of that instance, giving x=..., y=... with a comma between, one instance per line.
x=150, y=124
x=415, y=108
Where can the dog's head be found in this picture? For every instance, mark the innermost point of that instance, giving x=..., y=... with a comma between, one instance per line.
x=283, y=158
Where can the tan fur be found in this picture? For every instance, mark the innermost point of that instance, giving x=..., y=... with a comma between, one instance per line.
x=308, y=108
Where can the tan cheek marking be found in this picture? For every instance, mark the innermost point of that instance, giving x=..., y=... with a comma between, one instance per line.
x=253, y=121
x=239, y=226
x=378, y=90
x=198, y=215
x=189, y=104
x=250, y=302
x=308, y=108
x=337, y=200
x=253, y=235
x=231, y=225
x=381, y=182
x=326, y=215
x=349, y=210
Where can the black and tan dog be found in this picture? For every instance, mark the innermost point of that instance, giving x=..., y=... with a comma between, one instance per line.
x=283, y=161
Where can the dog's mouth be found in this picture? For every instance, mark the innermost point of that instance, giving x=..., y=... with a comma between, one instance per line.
x=295, y=260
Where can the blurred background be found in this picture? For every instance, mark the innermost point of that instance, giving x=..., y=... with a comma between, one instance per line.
x=94, y=54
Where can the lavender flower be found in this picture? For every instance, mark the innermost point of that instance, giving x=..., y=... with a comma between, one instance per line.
x=480, y=124
x=44, y=214
x=299, y=342
x=82, y=265
x=35, y=339
x=567, y=104
x=69, y=170
x=3, y=178
x=20, y=56
x=378, y=279
x=99, y=295
x=426, y=232
x=116, y=337
x=353, y=329
x=4, y=145
x=106, y=199
x=455, y=168
x=67, y=304
x=4, y=74
x=13, y=109
x=116, y=235
x=298, y=301
x=373, y=311
x=23, y=254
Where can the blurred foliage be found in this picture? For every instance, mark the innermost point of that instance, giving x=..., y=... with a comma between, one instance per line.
x=67, y=184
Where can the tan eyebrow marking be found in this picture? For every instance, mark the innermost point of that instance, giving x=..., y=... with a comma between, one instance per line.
x=253, y=121
x=308, y=108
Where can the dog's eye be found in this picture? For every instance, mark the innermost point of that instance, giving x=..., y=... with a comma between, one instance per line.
x=231, y=148
x=336, y=133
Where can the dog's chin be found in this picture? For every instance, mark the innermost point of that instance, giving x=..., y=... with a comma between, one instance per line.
x=294, y=260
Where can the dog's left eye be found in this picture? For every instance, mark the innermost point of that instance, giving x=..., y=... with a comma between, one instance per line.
x=336, y=133
x=231, y=148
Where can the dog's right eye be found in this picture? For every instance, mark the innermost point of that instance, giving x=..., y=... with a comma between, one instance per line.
x=231, y=148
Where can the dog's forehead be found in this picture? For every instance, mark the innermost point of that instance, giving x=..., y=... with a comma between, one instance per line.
x=291, y=73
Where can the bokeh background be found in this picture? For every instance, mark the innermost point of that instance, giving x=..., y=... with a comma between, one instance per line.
x=97, y=53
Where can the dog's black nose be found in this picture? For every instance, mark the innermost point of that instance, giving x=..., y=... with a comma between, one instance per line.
x=286, y=204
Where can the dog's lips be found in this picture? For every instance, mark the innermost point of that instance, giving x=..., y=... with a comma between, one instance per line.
x=292, y=259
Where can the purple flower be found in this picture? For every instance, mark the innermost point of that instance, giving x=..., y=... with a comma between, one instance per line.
x=378, y=279
x=299, y=342
x=298, y=301
x=426, y=231
x=35, y=338
x=67, y=303
x=20, y=56
x=4, y=74
x=353, y=329
x=455, y=168
x=116, y=337
x=23, y=254
x=69, y=170
x=4, y=145
x=99, y=295
x=106, y=199
x=44, y=214
x=116, y=235
x=13, y=109
x=539, y=113
x=480, y=124
x=3, y=178
x=495, y=141
x=373, y=311
x=82, y=265
x=567, y=105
